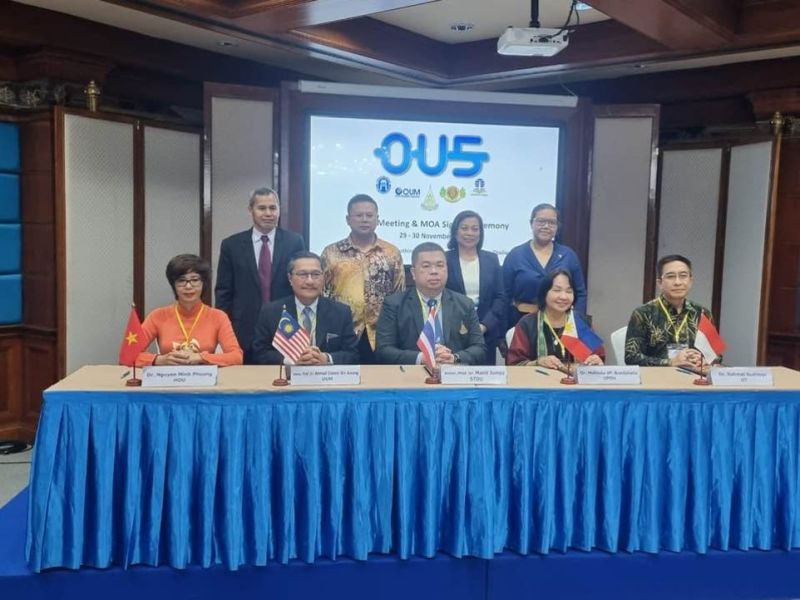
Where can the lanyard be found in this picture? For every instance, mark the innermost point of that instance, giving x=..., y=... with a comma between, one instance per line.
x=556, y=339
x=677, y=330
x=186, y=336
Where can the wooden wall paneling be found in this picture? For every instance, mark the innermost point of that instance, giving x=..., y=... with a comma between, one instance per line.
x=10, y=382
x=769, y=245
x=138, y=217
x=39, y=372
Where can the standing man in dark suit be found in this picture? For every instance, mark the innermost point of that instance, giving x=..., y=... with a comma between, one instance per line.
x=329, y=323
x=252, y=266
x=404, y=314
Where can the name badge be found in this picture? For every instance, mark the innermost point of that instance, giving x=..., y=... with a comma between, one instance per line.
x=472, y=375
x=180, y=376
x=609, y=375
x=326, y=375
x=742, y=376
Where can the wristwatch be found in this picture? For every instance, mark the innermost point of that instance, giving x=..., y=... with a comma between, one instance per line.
x=456, y=359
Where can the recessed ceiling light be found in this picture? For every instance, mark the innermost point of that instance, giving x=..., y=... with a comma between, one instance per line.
x=582, y=6
x=227, y=44
x=462, y=27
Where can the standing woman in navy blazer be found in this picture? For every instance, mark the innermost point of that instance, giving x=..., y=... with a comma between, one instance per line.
x=476, y=273
x=526, y=265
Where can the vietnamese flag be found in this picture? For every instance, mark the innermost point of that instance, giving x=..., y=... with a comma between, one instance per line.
x=133, y=341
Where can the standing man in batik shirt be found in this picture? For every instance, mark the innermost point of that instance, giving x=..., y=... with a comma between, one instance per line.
x=663, y=331
x=361, y=270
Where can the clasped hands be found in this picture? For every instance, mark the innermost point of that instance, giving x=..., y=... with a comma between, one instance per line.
x=312, y=356
x=553, y=362
x=690, y=358
x=179, y=357
x=443, y=355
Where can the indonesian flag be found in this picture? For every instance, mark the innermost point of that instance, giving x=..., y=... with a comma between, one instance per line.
x=290, y=339
x=133, y=341
x=427, y=340
x=579, y=338
x=708, y=339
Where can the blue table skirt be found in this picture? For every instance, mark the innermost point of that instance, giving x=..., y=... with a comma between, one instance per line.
x=210, y=478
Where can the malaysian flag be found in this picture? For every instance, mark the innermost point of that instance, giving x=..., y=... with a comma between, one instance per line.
x=427, y=340
x=290, y=339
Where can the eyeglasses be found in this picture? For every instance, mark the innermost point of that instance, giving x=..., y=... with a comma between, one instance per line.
x=194, y=282
x=314, y=275
x=545, y=223
x=673, y=277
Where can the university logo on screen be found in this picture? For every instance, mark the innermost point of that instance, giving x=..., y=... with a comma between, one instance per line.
x=470, y=162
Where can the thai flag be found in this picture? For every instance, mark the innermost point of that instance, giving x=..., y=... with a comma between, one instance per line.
x=290, y=339
x=427, y=340
x=579, y=338
x=708, y=339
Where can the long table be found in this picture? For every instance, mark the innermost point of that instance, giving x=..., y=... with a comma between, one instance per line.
x=248, y=474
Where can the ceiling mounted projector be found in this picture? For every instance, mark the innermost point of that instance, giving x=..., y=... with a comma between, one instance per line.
x=532, y=41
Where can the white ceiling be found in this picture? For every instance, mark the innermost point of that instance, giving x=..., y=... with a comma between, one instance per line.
x=489, y=17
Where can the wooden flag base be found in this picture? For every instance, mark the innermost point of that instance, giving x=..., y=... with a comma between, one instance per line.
x=569, y=380
x=702, y=380
x=134, y=382
x=280, y=382
x=432, y=380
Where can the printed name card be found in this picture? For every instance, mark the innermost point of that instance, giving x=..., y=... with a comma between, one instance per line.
x=180, y=376
x=473, y=375
x=326, y=375
x=609, y=375
x=742, y=376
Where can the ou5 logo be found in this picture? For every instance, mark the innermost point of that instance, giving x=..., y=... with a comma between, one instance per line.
x=408, y=155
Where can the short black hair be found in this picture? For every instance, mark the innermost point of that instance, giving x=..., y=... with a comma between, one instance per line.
x=264, y=191
x=299, y=255
x=671, y=258
x=544, y=206
x=547, y=284
x=180, y=265
x=425, y=247
x=464, y=214
x=358, y=198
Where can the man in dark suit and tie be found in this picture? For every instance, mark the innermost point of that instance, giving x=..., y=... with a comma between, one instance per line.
x=252, y=266
x=458, y=332
x=328, y=323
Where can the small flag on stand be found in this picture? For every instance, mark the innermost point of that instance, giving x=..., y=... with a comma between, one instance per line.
x=290, y=339
x=427, y=340
x=579, y=338
x=708, y=340
x=133, y=341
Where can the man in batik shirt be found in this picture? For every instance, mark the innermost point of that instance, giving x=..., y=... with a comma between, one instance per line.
x=662, y=332
x=361, y=270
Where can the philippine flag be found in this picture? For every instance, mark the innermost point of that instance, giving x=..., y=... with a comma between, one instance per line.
x=579, y=338
x=427, y=340
x=708, y=340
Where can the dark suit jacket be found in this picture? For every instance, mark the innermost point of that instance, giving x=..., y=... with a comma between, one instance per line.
x=238, y=288
x=493, y=299
x=334, y=331
x=401, y=322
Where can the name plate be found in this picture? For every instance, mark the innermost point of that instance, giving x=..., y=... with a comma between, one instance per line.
x=742, y=376
x=326, y=375
x=179, y=376
x=609, y=375
x=473, y=375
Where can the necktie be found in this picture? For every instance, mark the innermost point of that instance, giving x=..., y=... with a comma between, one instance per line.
x=265, y=269
x=307, y=321
x=437, y=322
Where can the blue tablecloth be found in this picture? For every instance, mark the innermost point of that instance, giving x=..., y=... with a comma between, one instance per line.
x=206, y=478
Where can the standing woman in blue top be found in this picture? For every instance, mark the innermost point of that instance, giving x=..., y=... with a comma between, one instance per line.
x=476, y=273
x=527, y=264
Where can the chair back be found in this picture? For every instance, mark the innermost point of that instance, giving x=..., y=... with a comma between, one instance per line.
x=618, y=345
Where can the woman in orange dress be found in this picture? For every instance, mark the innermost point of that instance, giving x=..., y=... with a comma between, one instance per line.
x=189, y=331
